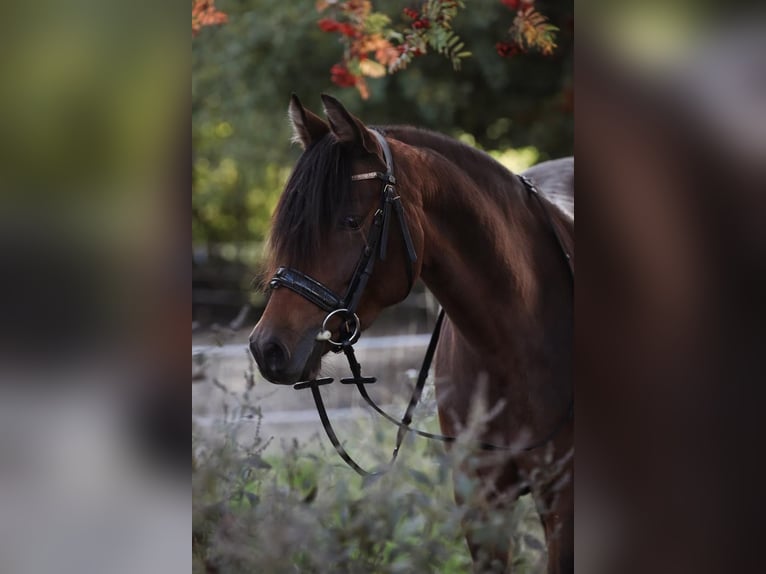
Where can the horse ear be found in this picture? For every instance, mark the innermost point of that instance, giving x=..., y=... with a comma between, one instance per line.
x=346, y=127
x=307, y=126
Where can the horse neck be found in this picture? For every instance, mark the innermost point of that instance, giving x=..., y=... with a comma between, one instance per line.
x=489, y=257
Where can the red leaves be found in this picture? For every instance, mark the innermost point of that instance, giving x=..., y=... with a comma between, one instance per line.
x=506, y=50
x=348, y=30
x=419, y=23
x=204, y=13
x=342, y=77
x=522, y=6
x=328, y=25
x=371, y=50
x=344, y=28
x=530, y=31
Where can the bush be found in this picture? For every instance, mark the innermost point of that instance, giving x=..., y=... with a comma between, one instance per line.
x=304, y=511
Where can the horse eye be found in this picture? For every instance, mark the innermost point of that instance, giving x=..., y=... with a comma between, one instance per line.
x=351, y=222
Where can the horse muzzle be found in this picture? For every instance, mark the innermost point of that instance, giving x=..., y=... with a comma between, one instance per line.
x=281, y=365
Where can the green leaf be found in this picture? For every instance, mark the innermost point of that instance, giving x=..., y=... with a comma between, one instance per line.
x=252, y=499
x=376, y=23
x=420, y=477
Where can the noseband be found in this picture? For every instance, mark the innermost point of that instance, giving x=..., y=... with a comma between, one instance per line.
x=345, y=308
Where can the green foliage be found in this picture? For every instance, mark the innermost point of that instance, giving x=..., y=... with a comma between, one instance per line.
x=432, y=27
x=245, y=70
x=301, y=510
x=376, y=23
x=532, y=30
x=443, y=39
x=243, y=74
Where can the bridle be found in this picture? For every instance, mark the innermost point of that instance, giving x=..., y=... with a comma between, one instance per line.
x=345, y=308
x=376, y=248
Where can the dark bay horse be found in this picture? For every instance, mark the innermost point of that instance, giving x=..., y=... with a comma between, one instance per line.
x=484, y=248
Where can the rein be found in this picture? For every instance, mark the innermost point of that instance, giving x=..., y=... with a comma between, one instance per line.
x=345, y=308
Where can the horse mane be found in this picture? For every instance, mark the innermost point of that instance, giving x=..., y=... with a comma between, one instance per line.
x=489, y=174
x=318, y=185
x=498, y=182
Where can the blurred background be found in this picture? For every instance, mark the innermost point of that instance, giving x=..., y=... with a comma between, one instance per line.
x=97, y=161
x=519, y=109
x=243, y=72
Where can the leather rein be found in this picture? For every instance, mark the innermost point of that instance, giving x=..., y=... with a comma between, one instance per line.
x=345, y=306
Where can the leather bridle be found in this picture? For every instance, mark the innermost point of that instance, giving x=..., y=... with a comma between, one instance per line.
x=375, y=248
x=345, y=308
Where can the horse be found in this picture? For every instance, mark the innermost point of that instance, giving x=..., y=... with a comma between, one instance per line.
x=482, y=244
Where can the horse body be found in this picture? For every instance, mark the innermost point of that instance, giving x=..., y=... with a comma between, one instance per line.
x=486, y=251
x=555, y=178
x=508, y=297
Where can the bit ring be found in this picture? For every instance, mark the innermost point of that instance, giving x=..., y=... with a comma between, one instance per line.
x=351, y=317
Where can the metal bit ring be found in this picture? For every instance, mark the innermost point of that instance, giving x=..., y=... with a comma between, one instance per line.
x=351, y=317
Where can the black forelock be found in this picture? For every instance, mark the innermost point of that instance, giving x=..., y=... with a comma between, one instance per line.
x=319, y=185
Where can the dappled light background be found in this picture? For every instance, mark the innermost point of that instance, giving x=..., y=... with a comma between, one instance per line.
x=100, y=172
x=520, y=110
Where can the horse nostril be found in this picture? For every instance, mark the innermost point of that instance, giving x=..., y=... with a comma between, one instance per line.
x=273, y=357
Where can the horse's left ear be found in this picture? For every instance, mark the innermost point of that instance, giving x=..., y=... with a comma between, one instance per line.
x=348, y=128
x=307, y=126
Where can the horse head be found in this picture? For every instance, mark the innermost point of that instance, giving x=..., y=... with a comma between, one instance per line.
x=324, y=238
